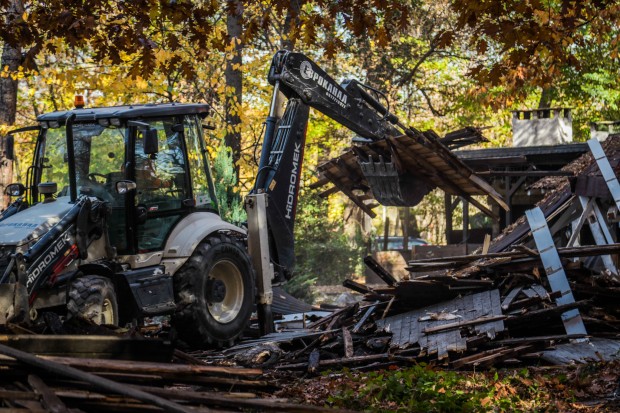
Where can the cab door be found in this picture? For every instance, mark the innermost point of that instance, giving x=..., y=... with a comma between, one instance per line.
x=162, y=195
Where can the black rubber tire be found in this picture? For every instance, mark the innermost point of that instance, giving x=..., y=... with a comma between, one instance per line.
x=89, y=298
x=193, y=320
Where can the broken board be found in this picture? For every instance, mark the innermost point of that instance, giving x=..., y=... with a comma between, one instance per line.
x=438, y=328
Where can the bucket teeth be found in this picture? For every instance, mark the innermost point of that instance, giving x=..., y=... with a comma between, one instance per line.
x=389, y=187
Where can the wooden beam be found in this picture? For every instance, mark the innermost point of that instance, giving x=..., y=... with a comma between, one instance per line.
x=452, y=326
x=98, y=382
x=350, y=194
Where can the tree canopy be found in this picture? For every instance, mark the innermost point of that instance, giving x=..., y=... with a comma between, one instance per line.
x=135, y=31
x=443, y=64
x=540, y=43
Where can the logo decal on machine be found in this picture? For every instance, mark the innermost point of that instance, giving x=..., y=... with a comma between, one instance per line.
x=290, y=199
x=52, y=252
x=307, y=72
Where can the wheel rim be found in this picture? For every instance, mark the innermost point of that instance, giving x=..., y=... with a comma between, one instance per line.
x=225, y=274
x=107, y=312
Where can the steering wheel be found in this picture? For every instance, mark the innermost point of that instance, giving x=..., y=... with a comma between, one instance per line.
x=94, y=175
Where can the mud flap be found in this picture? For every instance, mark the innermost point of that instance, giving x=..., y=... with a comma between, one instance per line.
x=391, y=188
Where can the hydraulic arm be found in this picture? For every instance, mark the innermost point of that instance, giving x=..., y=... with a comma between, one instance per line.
x=306, y=85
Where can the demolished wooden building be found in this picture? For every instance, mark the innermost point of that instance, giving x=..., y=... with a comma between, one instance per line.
x=549, y=281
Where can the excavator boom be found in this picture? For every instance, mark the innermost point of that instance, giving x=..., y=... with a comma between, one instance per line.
x=305, y=85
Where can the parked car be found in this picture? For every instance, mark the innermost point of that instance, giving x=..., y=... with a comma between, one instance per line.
x=397, y=243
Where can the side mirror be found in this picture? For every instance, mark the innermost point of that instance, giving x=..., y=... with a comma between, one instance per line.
x=151, y=144
x=15, y=190
x=10, y=147
x=123, y=187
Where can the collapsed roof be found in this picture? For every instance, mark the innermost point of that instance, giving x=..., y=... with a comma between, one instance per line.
x=400, y=171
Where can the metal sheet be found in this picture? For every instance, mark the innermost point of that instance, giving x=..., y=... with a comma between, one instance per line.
x=599, y=230
x=606, y=169
x=553, y=267
x=594, y=351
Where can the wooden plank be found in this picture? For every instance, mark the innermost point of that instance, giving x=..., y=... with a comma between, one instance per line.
x=18, y=395
x=337, y=362
x=451, y=326
x=335, y=314
x=486, y=244
x=137, y=367
x=348, y=342
x=566, y=252
x=491, y=356
x=350, y=194
x=367, y=314
x=99, y=382
x=49, y=400
x=545, y=313
x=230, y=400
x=384, y=274
x=524, y=340
x=91, y=346
x=388, y=307
x=319, y=183
x=355, y=286
x=329, y=191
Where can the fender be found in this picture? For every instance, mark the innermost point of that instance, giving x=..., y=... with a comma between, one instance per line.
x=191, y=230
x=182, y=241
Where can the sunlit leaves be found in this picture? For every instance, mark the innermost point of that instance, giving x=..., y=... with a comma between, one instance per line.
x=534, y=40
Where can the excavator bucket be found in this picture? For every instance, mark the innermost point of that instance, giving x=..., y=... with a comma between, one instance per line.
x=391, y=188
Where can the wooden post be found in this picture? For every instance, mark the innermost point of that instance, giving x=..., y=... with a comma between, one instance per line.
x=448, y=208
x=406, y=223
x=386, y=229
x=508, y=201
x=465, y=220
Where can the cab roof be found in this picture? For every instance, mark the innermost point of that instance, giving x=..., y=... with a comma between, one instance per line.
x=149, y=110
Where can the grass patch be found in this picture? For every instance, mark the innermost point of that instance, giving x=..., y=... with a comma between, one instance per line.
x=422, y=388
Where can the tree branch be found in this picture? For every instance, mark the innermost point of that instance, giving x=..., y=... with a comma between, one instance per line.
x=434, y=111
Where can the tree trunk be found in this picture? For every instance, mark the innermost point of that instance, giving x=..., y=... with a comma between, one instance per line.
x=234, y=81
x=290, y=21
x=546, y=98
x=11, y=58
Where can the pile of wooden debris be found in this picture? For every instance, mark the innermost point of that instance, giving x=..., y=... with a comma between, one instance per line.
x=548, y=294
x=32, y=383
